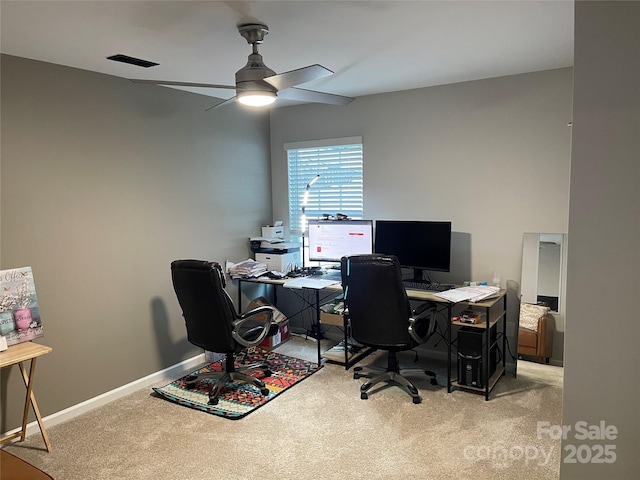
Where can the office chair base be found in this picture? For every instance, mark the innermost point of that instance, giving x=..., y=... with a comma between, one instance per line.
x=234, y=377
x=222, y=378
x=266, y=370
x=389, y=377
x=359, y=372
x=407, y=372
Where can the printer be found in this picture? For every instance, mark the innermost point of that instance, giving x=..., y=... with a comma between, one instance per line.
x=273, y=250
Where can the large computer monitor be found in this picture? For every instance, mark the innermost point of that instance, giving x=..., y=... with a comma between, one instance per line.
x=419, y=245
x=330, y=240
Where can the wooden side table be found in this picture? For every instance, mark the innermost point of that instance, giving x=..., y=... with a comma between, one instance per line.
x=19, y=354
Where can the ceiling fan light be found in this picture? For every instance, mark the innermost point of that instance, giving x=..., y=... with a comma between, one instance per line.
x=256, y=98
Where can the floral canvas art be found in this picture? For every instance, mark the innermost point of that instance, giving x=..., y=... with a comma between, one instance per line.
x=19, y=313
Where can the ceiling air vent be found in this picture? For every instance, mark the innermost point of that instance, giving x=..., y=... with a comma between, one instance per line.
x=132, y=61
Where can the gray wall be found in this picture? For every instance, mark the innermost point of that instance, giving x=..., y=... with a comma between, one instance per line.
x=601, y=347
x=492, y=156
x=104, y=183
x=601, y=381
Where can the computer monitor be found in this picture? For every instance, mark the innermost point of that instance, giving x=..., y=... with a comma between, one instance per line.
x=330, y=240
x=419, y=245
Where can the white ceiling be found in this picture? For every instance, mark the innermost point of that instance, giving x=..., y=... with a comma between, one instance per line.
x=372, y=46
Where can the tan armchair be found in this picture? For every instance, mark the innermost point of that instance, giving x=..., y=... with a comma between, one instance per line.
x=535, y=337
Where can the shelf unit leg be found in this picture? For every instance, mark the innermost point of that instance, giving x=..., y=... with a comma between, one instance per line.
x=449, y=328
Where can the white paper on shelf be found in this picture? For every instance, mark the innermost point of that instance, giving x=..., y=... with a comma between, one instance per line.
x=471, y=294
x=310, y=282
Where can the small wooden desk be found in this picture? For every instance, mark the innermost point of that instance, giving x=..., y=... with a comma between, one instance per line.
x=20, y=353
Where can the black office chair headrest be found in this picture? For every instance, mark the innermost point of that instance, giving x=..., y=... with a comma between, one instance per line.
x=202, y=265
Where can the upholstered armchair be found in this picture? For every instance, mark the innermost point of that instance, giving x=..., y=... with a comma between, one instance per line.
x=535, y=337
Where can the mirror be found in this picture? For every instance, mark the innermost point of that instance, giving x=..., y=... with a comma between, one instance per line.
x=544, y=274
x=543, y=258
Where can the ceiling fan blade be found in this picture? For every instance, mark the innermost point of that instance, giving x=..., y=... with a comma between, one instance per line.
x=312, y=96
x=298, y=77
x=220, y=104
x=181, y=84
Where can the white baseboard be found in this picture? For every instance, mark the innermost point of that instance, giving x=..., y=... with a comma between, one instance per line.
x=168, y=374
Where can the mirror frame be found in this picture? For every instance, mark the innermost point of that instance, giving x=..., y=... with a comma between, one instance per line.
x=529, y=286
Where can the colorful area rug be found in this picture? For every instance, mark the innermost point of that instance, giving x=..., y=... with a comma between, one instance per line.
x=239, y=399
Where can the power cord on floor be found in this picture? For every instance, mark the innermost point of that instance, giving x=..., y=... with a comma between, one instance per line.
x=500, y=335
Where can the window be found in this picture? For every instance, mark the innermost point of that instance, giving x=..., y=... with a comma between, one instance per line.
x=338, y=189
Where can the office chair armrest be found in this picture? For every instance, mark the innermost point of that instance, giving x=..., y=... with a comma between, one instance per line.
x=264, y=330
x=423, y=311
x=420, y=310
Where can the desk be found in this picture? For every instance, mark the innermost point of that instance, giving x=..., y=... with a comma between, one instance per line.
x=279, y=283
x=492, y=317
x=495, y=313
x=20, y=353
x=412, y=294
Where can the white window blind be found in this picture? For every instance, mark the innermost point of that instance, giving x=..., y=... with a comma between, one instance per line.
x=339, y=189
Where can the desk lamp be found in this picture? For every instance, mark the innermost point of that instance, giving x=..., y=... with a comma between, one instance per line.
x=305, y=200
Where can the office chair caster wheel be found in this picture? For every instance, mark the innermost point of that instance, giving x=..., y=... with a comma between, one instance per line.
x=264, y=391
x=356, y=373
x=267, y=373
x=434, y=381
x=416, y=400
x=363, y=396
x=213, y=401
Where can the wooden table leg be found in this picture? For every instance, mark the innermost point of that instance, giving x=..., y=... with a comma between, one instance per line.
x=31, y=399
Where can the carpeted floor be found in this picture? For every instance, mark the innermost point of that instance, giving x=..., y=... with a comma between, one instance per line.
x=320, y=429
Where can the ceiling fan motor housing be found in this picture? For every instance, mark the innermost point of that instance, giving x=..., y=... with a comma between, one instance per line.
x=251, y=75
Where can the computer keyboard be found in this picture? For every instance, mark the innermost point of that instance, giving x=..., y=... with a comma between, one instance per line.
x=427, y=287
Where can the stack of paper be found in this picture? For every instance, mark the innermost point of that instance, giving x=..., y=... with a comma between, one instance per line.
x=315, y=282
x=248, y=268
x=469, y=294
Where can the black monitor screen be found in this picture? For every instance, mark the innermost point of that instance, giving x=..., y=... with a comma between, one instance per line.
x=417, y=244
x=330, y=240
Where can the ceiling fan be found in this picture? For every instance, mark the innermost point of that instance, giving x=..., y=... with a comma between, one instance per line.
x=257, y=85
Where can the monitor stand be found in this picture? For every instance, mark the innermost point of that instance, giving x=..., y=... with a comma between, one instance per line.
x=418, y=276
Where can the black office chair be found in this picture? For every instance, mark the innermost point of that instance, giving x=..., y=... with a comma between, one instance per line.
x=379, y=316
x=213, y=323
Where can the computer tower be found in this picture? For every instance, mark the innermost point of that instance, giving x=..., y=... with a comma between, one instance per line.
x=470, y=356
x=470, y=370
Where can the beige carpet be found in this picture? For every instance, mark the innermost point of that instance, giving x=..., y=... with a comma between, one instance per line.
x=319, y=429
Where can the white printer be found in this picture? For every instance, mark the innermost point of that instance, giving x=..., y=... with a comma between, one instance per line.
x=272, y=249
x=280, y=262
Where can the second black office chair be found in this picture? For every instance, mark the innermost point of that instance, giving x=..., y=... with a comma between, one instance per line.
x=380, y=316
x=214, y=325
